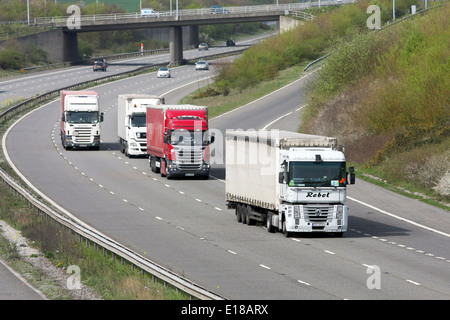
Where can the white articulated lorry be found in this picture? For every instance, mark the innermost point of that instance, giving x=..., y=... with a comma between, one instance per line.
x=291, y=181
x=131, y=122
x=80, y=119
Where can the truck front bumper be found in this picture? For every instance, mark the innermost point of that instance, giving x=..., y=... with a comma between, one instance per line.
x=173, y=170
x=137, y=148
x=69, y=142
x=320, y=218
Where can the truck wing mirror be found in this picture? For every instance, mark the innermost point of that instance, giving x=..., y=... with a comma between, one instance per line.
x=101, y=117
x=212, y=139
x=280, y=177
x=63, y=118
x=352, y=175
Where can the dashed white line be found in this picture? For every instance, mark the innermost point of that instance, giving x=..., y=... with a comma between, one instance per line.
x=265, y=267
x=413, y=282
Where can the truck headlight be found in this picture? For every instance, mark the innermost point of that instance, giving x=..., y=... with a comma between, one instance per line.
x=339, y=212
x=297, y=212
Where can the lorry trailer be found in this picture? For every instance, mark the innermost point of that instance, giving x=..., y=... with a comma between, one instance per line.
x=80, y=119
x=290, y=181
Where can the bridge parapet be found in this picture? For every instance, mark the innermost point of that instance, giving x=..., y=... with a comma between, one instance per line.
x=182, y=15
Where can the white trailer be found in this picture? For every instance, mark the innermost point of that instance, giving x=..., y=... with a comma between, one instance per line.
x=131, y=122
x=80, y=119
x=292, y=182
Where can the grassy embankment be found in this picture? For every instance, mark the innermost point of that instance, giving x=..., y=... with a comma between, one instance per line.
x=383, y=94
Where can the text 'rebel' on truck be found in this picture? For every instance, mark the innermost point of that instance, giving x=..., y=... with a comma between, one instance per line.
x=290, y=181
x=178, y=140
x=131, y=122
x=80, y=119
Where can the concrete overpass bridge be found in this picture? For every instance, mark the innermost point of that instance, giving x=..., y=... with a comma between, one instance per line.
x=75, y=23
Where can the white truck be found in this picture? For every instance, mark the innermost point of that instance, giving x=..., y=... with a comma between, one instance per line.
x=290, y=181
x=131, y=122
x=80, y=119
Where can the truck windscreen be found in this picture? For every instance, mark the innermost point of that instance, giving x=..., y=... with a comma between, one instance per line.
x=189, y=138
x=82, y=116
x=312, y=174
x=138, y=120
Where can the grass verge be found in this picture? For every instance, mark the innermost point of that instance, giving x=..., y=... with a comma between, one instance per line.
x=110, y=278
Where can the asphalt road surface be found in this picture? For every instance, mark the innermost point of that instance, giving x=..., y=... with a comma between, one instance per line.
x=185, y=226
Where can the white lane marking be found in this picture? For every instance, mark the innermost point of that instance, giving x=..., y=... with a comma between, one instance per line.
x=413, y=282
x=283, y=116
x=400, y=218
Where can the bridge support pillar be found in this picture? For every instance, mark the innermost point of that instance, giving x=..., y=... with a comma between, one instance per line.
x=176, y=46
x=193, y=35
x=70, y=46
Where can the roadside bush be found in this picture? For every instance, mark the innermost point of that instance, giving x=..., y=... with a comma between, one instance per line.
x=11, y=56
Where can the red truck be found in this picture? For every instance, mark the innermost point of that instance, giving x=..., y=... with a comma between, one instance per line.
x=178, y=140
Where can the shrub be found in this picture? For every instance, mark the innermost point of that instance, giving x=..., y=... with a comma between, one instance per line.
x=11, y=56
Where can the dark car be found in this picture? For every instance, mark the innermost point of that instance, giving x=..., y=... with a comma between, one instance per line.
x=230, y=43
x=100, y=64
x=219, y=10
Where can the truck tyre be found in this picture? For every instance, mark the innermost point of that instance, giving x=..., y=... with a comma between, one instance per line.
x=238, y=213
x=248, y=213
x=244, y=213
x=269, y=225
x=162, y=167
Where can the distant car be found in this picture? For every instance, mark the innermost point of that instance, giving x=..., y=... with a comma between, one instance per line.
x=231, y=43
x=148, y=12
x=202, y=65
x=163, y=72
x=219, y=10
x=100, y=64
x=202, y=46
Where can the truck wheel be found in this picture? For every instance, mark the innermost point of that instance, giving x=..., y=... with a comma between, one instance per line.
x=163, y=168
x=269, y=225
x=248, y=212
x=238, y=213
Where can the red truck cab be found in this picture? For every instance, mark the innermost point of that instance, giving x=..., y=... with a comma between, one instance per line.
x=178, y=140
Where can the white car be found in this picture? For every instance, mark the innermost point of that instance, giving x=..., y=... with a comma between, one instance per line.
x=148, y=12
x=202, y=65
x=163, y=72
